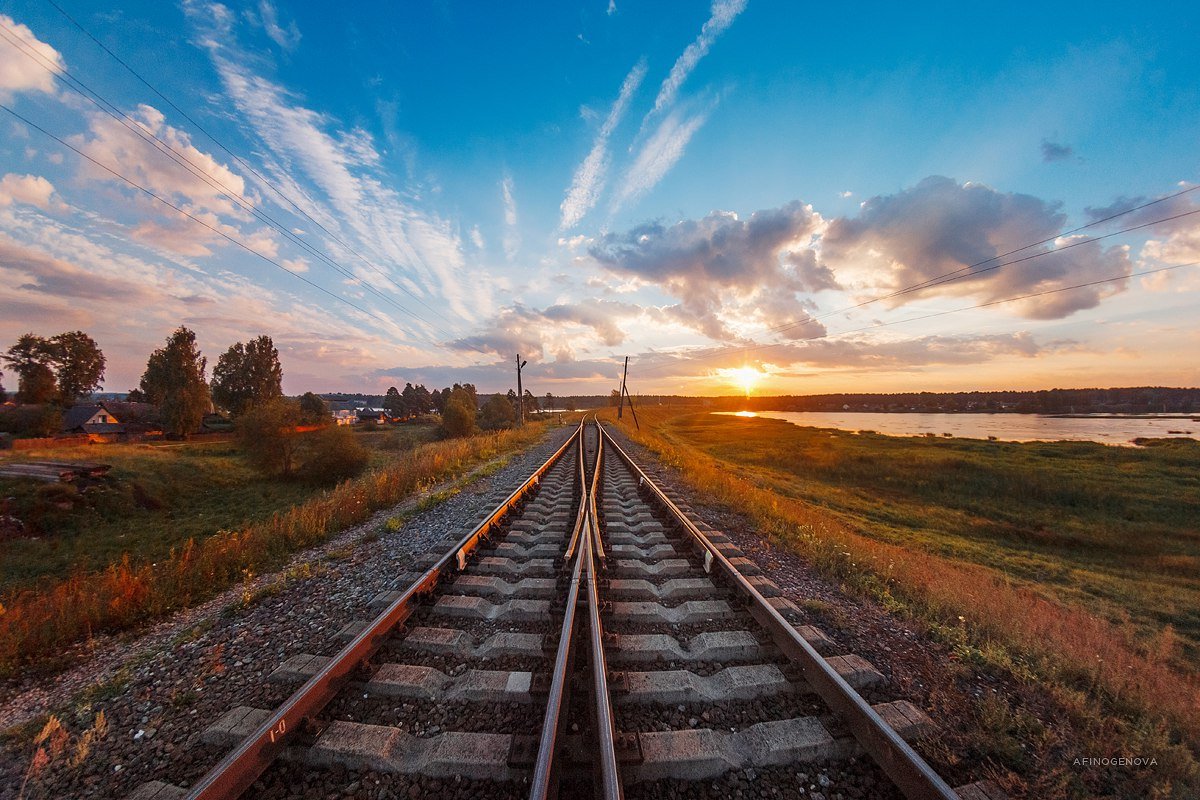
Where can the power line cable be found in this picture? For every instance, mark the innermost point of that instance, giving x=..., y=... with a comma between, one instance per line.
x=262, y=178
x=720, y=352
x=190, y=216
x=139, y=129
x=972, y=307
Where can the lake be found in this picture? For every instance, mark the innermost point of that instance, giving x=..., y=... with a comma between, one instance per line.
x=1005, y=427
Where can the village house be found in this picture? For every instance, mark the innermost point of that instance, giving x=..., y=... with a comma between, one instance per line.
x=91, y=418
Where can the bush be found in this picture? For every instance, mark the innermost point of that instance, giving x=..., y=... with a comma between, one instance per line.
x=497, y=414
x=459, y=417
x=335, y=455
x=31, y=421
x=267, y=434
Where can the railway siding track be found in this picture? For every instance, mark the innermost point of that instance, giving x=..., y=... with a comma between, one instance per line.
x=595, y=607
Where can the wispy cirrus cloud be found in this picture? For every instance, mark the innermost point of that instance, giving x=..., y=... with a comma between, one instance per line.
x=658, y=155
x=512, y=234
x=591, y=174
x=336, y=176
x=723, y=13
x=286, y=37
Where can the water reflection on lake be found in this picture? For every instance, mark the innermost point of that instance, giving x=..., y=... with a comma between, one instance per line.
x=1005, y=427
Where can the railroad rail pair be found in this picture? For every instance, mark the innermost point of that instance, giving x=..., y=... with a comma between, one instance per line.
x=585, y=561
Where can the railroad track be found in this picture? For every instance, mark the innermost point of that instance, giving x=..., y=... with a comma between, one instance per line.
x=588, y=638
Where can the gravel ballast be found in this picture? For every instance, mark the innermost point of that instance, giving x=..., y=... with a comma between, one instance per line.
x=159, y=690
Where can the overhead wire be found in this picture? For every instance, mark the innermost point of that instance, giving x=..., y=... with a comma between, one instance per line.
x=233, y=154
x=140, y=130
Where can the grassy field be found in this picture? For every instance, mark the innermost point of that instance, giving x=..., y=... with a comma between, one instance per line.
x=1116, y=529
x=127, y=571
x=159, y=497
x=1067, y=567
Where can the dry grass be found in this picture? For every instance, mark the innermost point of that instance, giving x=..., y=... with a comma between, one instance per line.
x=1121, y=693
x=37, y=624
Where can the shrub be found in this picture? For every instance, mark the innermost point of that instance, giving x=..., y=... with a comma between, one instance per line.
x=31, y=421
x=496, y=414
x=335, y=455
x=267, y=434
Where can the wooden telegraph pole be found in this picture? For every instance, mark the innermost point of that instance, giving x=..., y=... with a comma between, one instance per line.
x=624, y=395
x=621, y=393
x=520, y=393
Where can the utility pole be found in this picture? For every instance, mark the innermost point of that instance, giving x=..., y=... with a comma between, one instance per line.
x=624, y=394
x=621, y=393
x=520, y=393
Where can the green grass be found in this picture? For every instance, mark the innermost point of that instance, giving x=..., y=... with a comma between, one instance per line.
x=158, y=497
x=1115, y=529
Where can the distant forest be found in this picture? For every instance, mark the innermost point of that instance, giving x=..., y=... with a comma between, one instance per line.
x=1133, y=400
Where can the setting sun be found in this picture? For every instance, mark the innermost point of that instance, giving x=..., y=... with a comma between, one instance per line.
x=745, y=378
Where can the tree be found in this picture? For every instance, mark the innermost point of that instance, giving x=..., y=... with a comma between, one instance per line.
x=496, y=414
x=31, y=359
x=393, y=402
x=79, y=364
x=313, y=409
x=458, y=419
x=247, y=374
x=3, y=394
x=548, y=402
x=174, y=381
x=531, y=403
x=614, y=397
x=437, y=399
x=267, y=434
x=423, y=399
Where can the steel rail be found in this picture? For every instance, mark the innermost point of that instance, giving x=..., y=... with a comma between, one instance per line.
x=597, y=541
x=609, y=774
x=244, y=764
x=544, y=783
x=903, y=765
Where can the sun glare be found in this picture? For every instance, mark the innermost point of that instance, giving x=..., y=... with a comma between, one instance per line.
x=745, y=378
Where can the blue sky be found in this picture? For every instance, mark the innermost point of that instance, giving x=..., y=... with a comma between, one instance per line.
x=708, y=188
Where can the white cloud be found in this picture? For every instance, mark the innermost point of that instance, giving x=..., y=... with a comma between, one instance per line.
x=477, y=237
x=287, y=38
x=590, y=175
x=612, y=7
x=724, y=12
x=354, y=198
x=117, y=147
x=32, y=190
x=20, y=72
x=660, y=152
x=512, y=237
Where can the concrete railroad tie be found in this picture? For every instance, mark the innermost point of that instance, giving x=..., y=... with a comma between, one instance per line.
x=686, y=613
x=462, y=606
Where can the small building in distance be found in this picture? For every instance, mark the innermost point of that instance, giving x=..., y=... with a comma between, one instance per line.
x=91, y=418
x=377, y=416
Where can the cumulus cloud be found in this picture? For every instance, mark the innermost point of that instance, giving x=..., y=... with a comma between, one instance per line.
x=21, y=73
x=560, y=329
x=32, y=190
x=726, y=270
x=723, y=13
x=1053, y=151
x=940, y=226
x=591, y=174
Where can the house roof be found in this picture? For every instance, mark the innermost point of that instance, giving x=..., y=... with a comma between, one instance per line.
x=78, y=414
